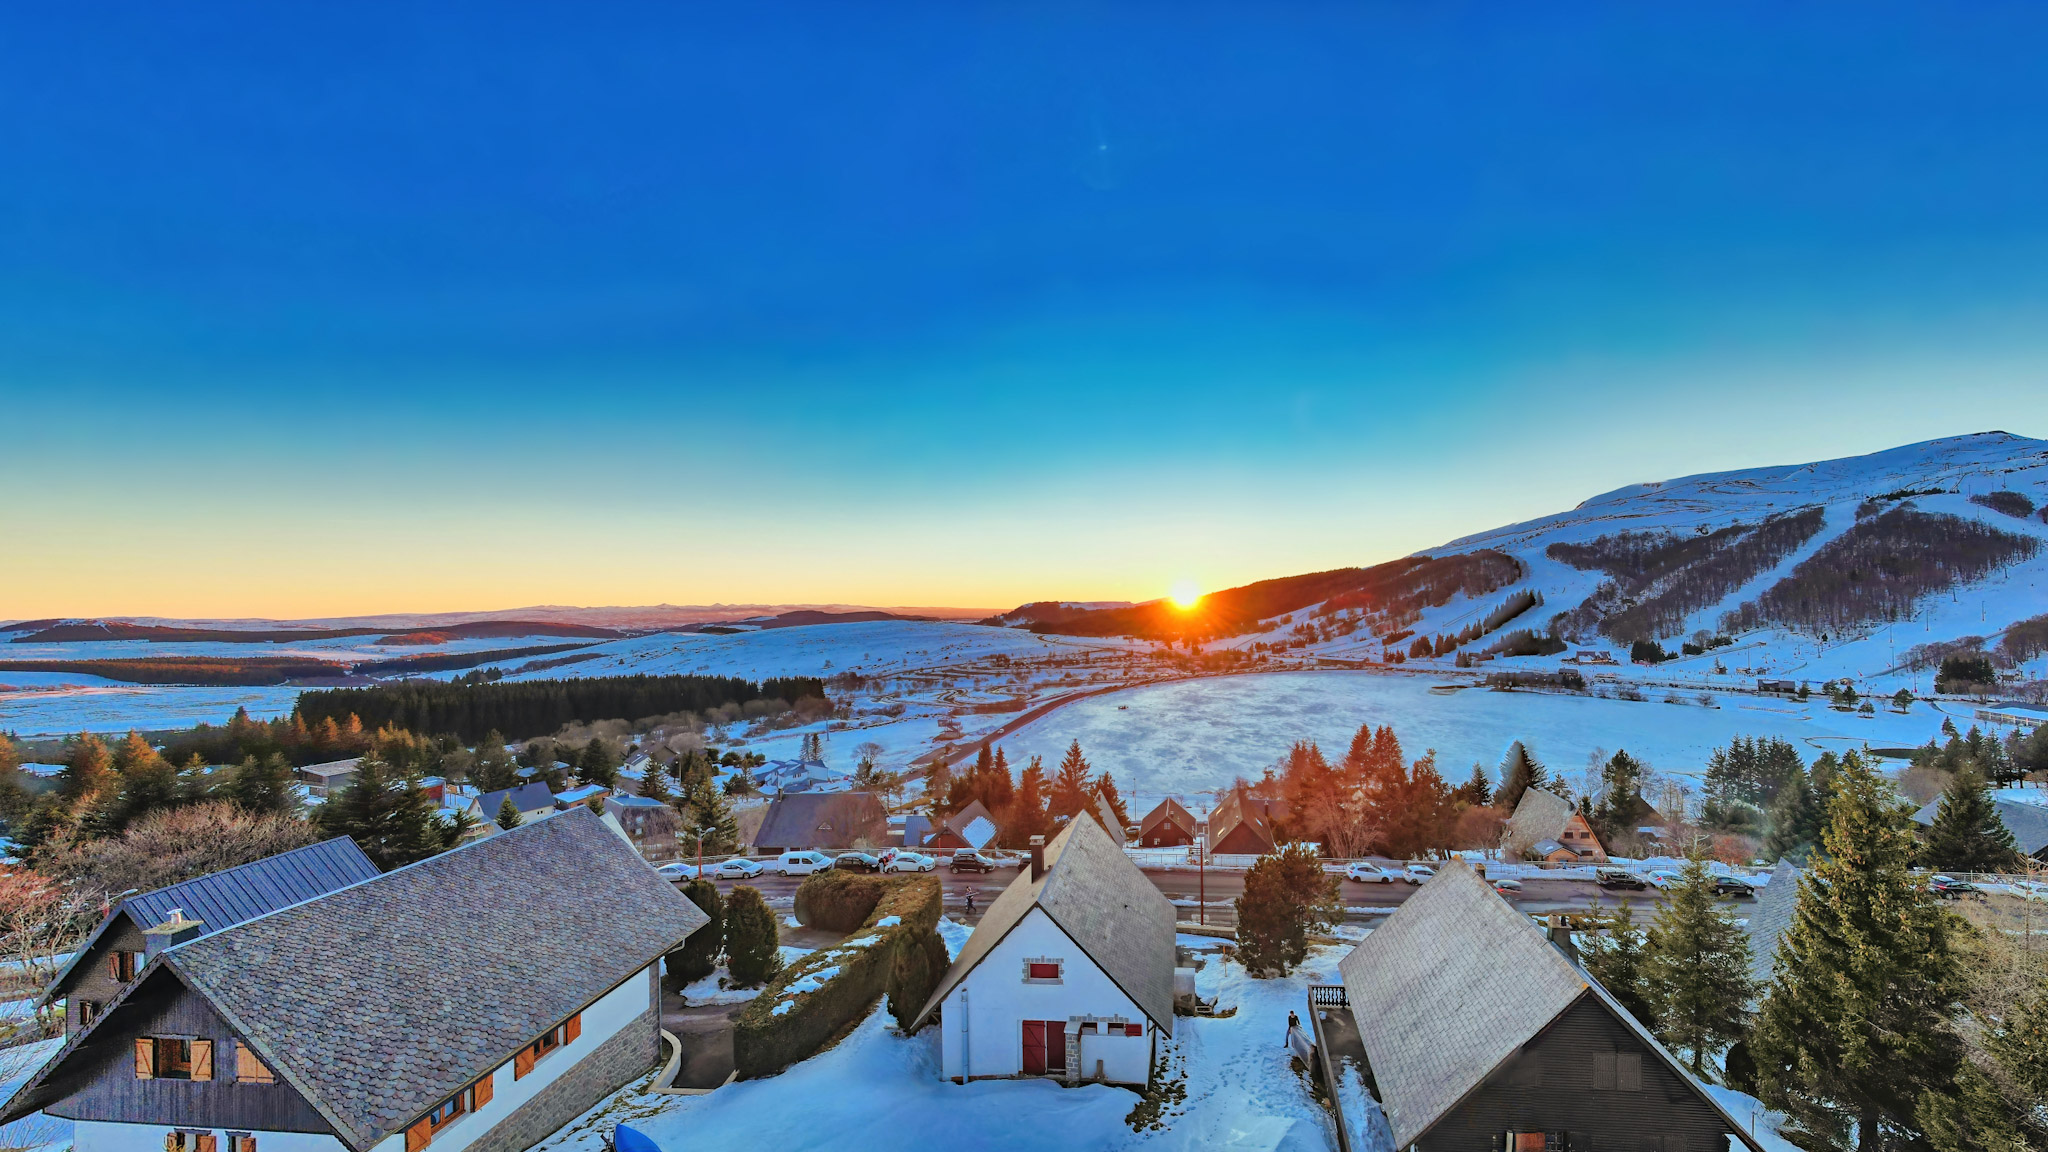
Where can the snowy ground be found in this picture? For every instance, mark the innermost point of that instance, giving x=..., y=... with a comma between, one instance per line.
x=114, y=708
x=345, y=649
x=878, y=1087
x=1187, y=737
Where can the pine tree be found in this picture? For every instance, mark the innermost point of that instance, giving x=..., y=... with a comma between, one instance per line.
x=264, y=785
x=1519, y=772
x=938, y=784
x=708, y=819
x=1027, y=816
x=1615, y=958
x=1069, y=784
x=698, y=957
x=654, y=782
x=508, y=814
x=750, y=938
x=1476, y=791
x=1967, y=834
x=597, y=765
x=1286, y=896
x=14, y=798
x=1621, y=806
x=87, y=766
x=1998, y=1106
x=1315, y=794
x=1105, y=787
x=1854, y=1028
x=1697, y=969
x=1795, y=820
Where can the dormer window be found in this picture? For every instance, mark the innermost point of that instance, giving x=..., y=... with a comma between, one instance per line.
x=173, y=1058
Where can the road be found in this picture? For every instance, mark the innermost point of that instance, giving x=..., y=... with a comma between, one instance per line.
x=1207, y=897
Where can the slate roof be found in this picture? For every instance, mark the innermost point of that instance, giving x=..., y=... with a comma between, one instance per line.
x=527, y=798
x=223, y=899
x=380, y=1000
x=1106, y=816
x=1539, y=815
x=915, y=829
x=2028, y=823
x=1235, y=810
x=834, y=820
x=1169, y=811
x=1451, y=986
x=1773, y=915
x=1103, y=903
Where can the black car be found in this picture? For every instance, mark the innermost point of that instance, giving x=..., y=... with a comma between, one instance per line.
x=858, y=862
x=1616, y=878
x=1730, y=886
x=968, y=860
x=1949, y=888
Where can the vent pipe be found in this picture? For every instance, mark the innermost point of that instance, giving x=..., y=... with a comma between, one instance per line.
x=1037, y=857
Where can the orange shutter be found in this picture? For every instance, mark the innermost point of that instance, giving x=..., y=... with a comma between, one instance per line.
x=483, y=1089
x=522, y=1063
x=572, y=1029
x=205, y=1142
x=145, y=1058
x=250, y=1068
x=202, y=1065
x=416, y=1137
x=114, y=965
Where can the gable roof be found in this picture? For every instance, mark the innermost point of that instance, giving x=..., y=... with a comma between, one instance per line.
x=1105, y=815
x=2028, y=823
x=1452, y=985
x=527, y=798
x=1169, y=811
x=1539, y=815
x=224, y=899
x=382, y=999
x=962, y=824
x=822, y=820
x=915, y=828
x=1238, y=810
x=1093, y=892
x=1773, y=915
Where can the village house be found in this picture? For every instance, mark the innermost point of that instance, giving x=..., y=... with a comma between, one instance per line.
x=1238, y=826
x=329, y=778
x=1167, y=826
x=1546, y=826
x=533, y=801
x=825, y=821
x=970, y=827
x=109, y=960
x=479, y=999
x=650, y=825
x=1069, y=975
x=2027, y=821
x=1547, y=1060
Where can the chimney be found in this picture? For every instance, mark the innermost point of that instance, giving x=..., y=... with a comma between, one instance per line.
x=1560, y=934
x=173, y=931
x=1037, y=857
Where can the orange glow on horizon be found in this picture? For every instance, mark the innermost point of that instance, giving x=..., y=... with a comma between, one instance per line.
x=1185, y=595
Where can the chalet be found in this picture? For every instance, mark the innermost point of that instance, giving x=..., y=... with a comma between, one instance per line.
x=109, y=960
x=970, y=827
x=1545, y=816
x=480, y=998
x=826, y=821
x=916, y=830
x=1781, y=687
x=1167, y=826
x=649, y=824
x=1069, y=975
x=1546, y=1060
x=533, y=801
x=326, y=779
x=1238, y=826
x=2028, y=822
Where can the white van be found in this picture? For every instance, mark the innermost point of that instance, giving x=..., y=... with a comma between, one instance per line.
x=802, y=863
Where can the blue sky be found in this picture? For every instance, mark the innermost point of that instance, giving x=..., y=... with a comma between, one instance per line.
x=387, y=308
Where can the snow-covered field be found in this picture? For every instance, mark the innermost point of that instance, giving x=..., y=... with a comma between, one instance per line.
x=1188, y=737
x=879, y=1088
x=116, y=707
x=345, y=649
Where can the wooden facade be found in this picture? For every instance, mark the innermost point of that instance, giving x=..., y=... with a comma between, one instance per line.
x=105, y=1084
x=1586, y=1083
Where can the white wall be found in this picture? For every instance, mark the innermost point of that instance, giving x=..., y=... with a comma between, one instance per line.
x=106, y=1136
x=990, y=1006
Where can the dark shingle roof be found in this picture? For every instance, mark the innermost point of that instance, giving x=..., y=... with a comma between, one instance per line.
x=527, y=798
x=833, y=820
x=1103, y=903
x=380, y=1000
x=2028, y=823
x=224, y=899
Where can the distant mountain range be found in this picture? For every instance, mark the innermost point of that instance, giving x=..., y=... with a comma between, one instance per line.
x=540, y=620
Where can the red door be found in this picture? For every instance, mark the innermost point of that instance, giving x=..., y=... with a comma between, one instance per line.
x=1034, y=1048
x=1055, y=1046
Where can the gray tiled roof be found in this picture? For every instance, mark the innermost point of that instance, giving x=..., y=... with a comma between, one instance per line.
x=527, y=798
x=2028, y=823
x=1099, y=899
x=1773, y=915
x=834, y=820
x=1540, y=815
x=382, y=999
x=1106, y=815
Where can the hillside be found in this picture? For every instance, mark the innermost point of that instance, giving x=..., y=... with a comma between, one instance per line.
x=1870, y=567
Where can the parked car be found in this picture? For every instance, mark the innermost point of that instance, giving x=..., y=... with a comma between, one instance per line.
x=1366, y=872
x=1664, y=877
x=858, y=862
x=910, y=862
x=2030, y=890
x=1417, y=873
x=1733, y=886
x=970, y=860
x=1505, y=885
x=802, y=862
x=737, y=868
x=1950, y=888
x=677, y=871
x=1619, y=878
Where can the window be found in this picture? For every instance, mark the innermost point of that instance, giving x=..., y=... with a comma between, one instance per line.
x=423, y=1130
x=173, y=1058
x=188, y=1142
x=122, y=965
x=1041, y=970
x=250, y=1068
x=241, y=1142
x=1134, y=1029
x=564, y=1033
x=88, y=1011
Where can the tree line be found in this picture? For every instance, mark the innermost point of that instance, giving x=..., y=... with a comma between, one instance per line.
x=1032, y=804
x=535, y=707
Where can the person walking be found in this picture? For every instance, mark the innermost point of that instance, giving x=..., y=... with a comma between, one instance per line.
x=1293, y=1024
x=970, y=901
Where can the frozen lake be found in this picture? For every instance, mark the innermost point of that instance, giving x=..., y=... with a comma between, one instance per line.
x=1188, y=737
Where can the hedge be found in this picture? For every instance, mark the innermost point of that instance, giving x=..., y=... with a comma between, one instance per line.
x=891, y=952
x=838, y=901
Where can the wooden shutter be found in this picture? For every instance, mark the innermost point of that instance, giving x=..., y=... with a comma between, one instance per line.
x=483, y=1089
x=202, y=1060
x=1628, y=1071
x=145, y=1058
x=1603, y=1070
x=522, y=1063
x=572, y=1029
x=114, y=965
x=205, y=1142
x=250, y=1068
x=416, y=1137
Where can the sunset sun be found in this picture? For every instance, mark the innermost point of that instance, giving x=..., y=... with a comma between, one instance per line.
x=1185, y=594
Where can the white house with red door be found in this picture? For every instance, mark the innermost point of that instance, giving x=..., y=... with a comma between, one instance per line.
x=1069, y=976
